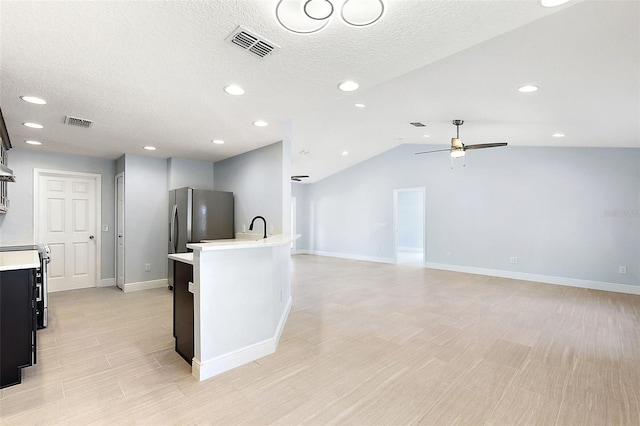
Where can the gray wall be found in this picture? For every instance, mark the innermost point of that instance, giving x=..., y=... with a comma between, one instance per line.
x=564, y=212
x=299, y=191
x=146, y=218
x=256, y=180
x=16, y=227
x=189, y=173
x=410, y=221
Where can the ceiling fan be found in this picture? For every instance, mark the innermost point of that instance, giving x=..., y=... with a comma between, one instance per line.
x=298, y=178
x=458, y=149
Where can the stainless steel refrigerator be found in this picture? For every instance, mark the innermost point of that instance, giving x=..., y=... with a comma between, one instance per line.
x=196, y=215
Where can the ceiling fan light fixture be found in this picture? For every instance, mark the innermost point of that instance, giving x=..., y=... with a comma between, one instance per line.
x=457, y=153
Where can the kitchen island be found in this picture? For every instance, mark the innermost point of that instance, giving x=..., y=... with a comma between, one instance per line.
x=241, y=296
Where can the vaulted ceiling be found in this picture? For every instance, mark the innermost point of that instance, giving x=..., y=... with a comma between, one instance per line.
x=153, y=73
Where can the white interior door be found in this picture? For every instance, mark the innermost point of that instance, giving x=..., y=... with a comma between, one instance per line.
x=120, y=231
x=67, y=223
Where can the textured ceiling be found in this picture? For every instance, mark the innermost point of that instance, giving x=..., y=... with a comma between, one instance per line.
x=152, y=73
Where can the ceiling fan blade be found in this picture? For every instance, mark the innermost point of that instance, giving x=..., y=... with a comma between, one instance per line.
x=429, y=152
x=485, y=145
x=299, y=176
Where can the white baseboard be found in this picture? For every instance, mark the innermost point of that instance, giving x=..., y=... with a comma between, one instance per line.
x=203, y=370
x=547, y=279
x=145, y=285
x=348, y=256
x=107, y=282
x=411, y=249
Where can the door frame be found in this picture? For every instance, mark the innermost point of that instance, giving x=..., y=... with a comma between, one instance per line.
x=97, y=178
x=115, y=231
x=424, y=221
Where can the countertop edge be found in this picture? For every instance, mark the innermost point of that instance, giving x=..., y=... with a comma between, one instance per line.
x=272, y=241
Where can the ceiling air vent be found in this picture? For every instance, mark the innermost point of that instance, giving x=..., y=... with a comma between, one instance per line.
x=77, y=122
x=418, y=124
x=251, y=42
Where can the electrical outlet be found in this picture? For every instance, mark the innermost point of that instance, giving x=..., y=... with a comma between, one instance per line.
x=622, y=269
x=147, y=267
x=513, y=259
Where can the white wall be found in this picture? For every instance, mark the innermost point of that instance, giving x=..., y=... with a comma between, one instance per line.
x=16, y=227
x=563, y=212
x=410, y=221
x=256, y=180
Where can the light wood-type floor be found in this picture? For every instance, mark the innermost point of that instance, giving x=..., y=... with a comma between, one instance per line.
x=365, y=343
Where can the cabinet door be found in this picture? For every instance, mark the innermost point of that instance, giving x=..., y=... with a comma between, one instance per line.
x=183, y=310
x=17, y=331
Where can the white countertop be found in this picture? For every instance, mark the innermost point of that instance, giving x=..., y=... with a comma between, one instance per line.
x=271, y=241
x=23, y=259
x=182, y=257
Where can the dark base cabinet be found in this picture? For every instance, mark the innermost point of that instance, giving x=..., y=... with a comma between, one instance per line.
x=17, y=324
x=183, y=310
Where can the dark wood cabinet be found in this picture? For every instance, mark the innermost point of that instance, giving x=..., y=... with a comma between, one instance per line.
x=183, y=310
x=17, y=324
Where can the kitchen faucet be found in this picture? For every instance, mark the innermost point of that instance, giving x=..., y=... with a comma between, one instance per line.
x=265, y=225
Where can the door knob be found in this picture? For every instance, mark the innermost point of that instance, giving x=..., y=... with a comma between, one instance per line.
x=91, y=237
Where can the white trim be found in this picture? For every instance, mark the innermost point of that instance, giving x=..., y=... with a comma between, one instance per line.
x=145, y=285
x=203, y=370
x=107, y=282
x=97, y=177
x=115, y=230
x=348, y=256
x=547, y=279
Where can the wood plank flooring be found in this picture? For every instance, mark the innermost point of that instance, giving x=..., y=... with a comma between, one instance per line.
x=365, y=343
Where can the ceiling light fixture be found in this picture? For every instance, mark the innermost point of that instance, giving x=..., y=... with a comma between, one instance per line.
x=558, y=135
x=552, y=3
x=457, y=153
x=426, y=136
x=345, y=153
x=234, y=90
x=528, y=89
x=33, y=125
x=260, y=123
x=360, y=105
x=218, y=141
x=348, y=86
x=33, y=142
x=150, y=148
x=33, y=100
x=310, y=16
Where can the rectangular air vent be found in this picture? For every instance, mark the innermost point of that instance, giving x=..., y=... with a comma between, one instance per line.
x=418, y=124
x=78, y=122
x=251, y=42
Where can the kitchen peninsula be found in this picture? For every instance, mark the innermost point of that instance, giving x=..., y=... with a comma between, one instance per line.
x=241, y=299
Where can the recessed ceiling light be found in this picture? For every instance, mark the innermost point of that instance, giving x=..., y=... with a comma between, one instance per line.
x=33, y=100
x=150, y=148
x=234, y=90
x=345, y=153
x=360, y=105
x=33, y=125
x=528, y=89
x=552, y=3
x=33, y=142
x=426, y=136
x=260, y=123
x=218, y=141
x=348, y=86
x=558, y=135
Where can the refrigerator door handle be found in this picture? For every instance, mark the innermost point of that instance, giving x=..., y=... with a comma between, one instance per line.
x=172, y=236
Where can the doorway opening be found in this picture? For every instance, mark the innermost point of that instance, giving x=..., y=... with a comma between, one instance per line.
x=409, y=226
